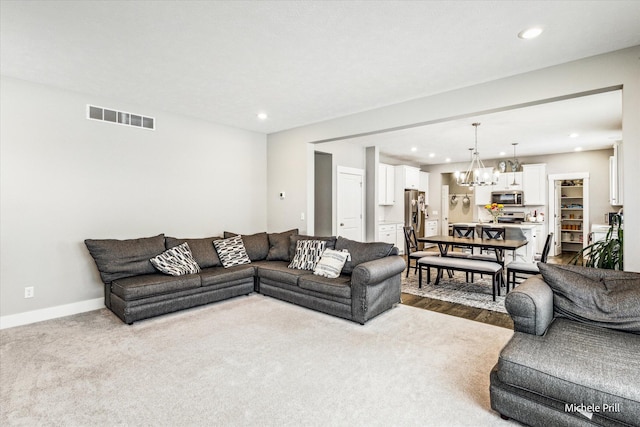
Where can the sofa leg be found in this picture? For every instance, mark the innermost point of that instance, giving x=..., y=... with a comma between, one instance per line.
x=504, y=417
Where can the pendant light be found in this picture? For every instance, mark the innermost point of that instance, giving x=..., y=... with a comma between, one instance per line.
x=476, y=174
x=514, y=167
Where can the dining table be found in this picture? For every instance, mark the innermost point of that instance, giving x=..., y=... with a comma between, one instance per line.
x=497, y=246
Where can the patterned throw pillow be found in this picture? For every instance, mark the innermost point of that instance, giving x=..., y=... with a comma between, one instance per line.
x=331, y=263
x=308, y=253
x=176, y=261
x=231, y=251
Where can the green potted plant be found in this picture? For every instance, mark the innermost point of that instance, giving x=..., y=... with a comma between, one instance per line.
x=605, y=253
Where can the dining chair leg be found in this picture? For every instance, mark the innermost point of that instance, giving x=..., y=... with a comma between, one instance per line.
x=438, y=274
x=428, y=275
x=419, y=274
x=409, y=266
x=494, y=284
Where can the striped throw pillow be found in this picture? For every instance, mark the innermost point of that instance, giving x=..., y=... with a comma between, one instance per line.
x=176, y=261
x=231, y=251
x=308, y=253
x=331, y=263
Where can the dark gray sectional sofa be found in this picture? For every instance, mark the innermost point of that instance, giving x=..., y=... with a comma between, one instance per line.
x=368, y=285
x=574, y=358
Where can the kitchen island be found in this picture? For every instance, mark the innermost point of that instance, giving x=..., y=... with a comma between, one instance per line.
x=523, y=254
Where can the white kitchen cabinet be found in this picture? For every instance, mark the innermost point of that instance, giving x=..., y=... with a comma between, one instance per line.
x=526, y=252
x=424, y=186
x=386, y=184
x=400, y=243
x=541, y=237
x=408, y=176
x=431, y=228
x=387, y=233
x=392, y=233
x=534, y=184
x=506, y=179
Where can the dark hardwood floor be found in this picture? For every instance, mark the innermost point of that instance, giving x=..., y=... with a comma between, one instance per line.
x=471, y=313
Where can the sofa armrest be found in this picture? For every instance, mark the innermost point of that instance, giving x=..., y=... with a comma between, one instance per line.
x=375, y=287
x=376, y=271
x=530, y=305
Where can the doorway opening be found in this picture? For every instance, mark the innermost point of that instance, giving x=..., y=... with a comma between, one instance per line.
x=569, y=204
x=323, y=198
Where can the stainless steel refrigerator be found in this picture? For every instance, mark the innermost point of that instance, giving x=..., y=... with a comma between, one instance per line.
x=414, y=210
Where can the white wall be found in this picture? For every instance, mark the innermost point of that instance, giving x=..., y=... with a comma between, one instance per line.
x=608, y=70
x=65, y=179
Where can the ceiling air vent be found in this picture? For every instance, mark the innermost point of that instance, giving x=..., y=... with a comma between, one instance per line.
x=120, y=117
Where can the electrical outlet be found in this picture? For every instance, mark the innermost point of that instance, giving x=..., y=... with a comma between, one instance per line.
x=28, y=292
x=302, y=216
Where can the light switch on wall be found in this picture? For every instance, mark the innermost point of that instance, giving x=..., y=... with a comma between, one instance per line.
x=302, y=216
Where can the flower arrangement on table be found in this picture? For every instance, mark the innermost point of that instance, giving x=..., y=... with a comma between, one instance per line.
x=495, y=209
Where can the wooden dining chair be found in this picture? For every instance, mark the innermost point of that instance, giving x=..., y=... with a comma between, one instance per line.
x=516, y=269
x=412, y=250
x=465, y=232
x=489, y=233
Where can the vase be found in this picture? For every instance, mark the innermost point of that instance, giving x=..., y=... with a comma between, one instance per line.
x=495, y=219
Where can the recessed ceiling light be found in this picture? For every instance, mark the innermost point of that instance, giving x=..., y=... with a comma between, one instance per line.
x=530, y=33
x=577, y=149
x=502, y=153
x=447, y=160
x=414, y=149
x=432, y=155
x=262, y=116
x=574, y=135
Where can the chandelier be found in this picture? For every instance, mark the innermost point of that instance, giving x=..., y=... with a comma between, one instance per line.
x=514, y=167
x=476, y=175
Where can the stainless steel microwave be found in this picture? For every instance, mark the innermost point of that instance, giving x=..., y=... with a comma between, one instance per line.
x=507, y=198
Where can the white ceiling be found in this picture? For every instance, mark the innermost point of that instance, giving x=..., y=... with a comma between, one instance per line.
x=299, y=61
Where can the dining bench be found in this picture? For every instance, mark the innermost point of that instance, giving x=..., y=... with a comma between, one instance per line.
x=460, y=264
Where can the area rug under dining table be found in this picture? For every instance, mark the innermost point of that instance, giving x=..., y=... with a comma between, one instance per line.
x=456, y=290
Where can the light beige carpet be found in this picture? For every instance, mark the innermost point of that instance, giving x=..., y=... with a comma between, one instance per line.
x=250, y=361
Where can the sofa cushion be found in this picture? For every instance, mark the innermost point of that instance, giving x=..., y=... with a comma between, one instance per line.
x=279, y=271
x=606, y=298
x=308, y=253
x=202, y=249
x=117, y=259
x=215, y=276
x=576, y=363
x=279, y=245
x=256, y=245
x=148, y=285
x=176, y=261
x=362, y=252
x=293, y=242
x=331, y=263
x=231, y=251
x=339, y=287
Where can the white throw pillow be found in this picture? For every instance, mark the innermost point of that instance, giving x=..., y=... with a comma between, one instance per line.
x=308, y=253
x=331, y=263
x=176, y=261
x=231, y=251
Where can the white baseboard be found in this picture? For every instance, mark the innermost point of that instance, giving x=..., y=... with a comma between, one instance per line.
x=28, y=317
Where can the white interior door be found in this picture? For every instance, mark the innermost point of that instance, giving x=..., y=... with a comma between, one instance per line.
x=444, y=208
x=350, y=203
